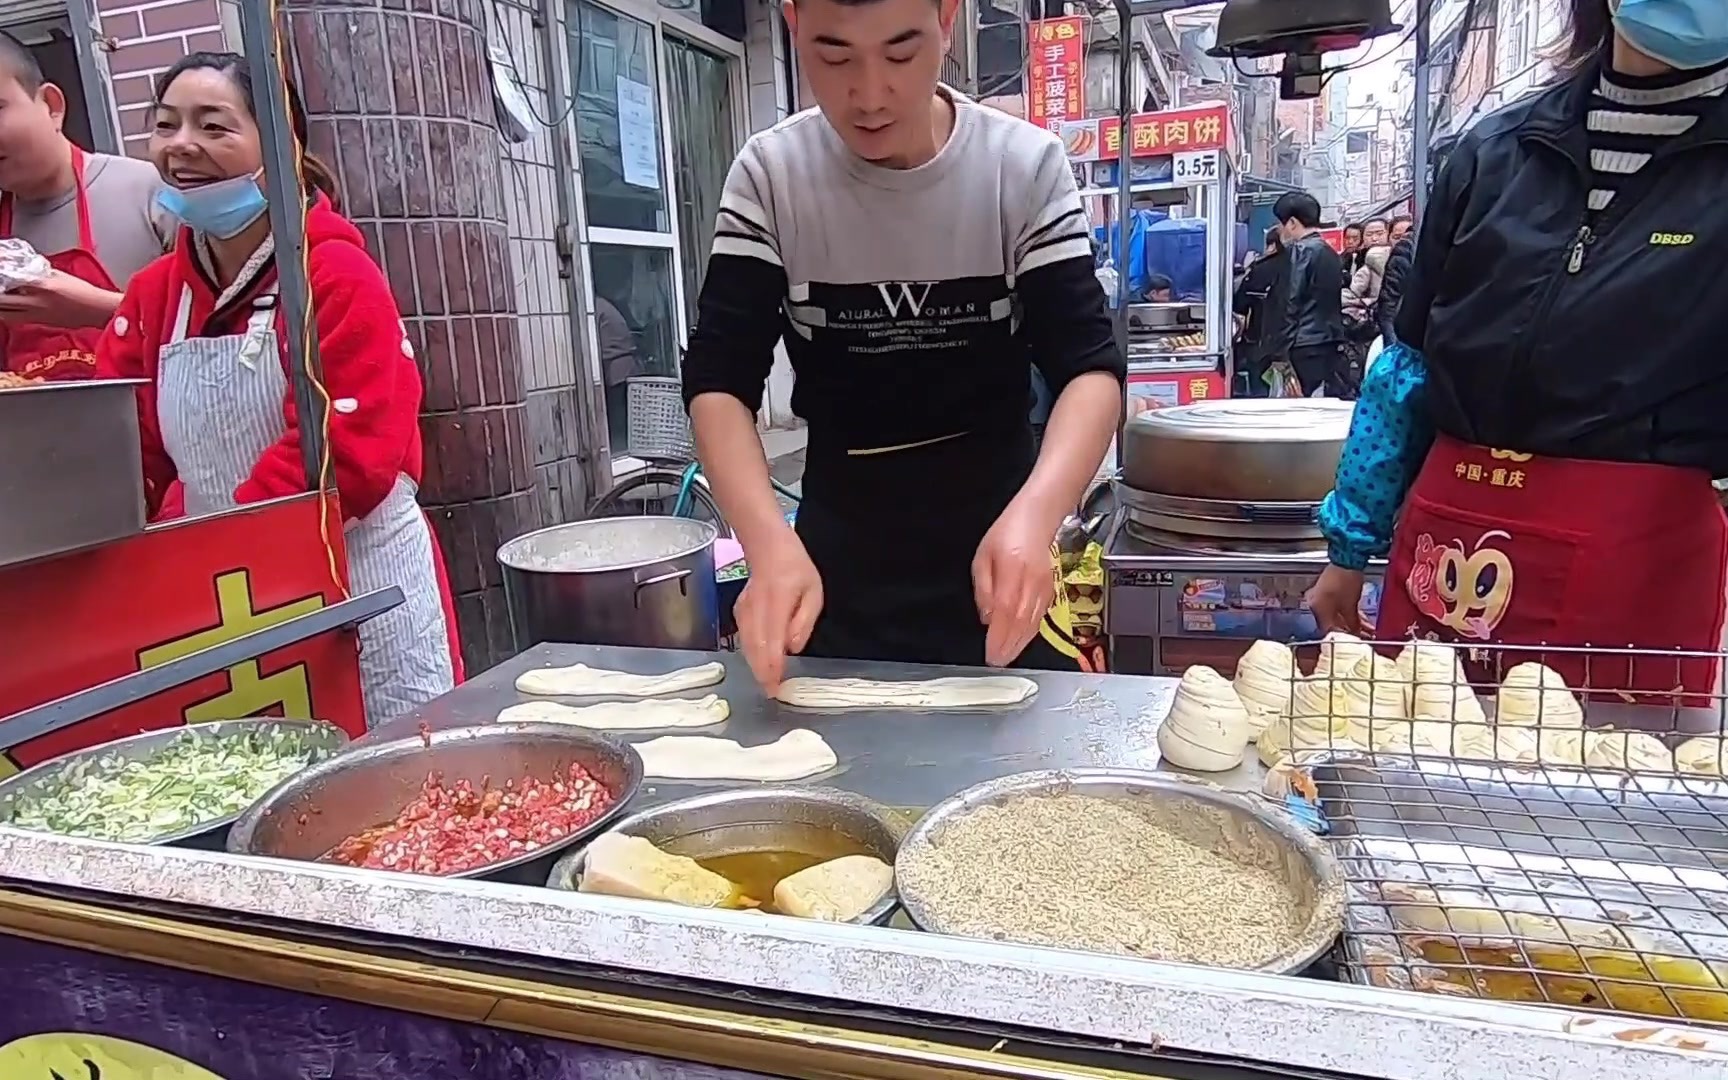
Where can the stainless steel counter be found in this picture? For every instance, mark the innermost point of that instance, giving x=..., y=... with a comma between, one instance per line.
x=899, y=757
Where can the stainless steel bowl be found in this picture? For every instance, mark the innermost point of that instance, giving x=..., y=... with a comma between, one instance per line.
x=322, y=740
x=1205, y=813
x=308, y=814
x=757, y=819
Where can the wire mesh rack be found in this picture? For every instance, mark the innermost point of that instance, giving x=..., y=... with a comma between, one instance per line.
x=655, y=421
x=1508, y=832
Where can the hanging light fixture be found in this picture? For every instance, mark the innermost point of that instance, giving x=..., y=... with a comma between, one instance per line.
x=1300, y=31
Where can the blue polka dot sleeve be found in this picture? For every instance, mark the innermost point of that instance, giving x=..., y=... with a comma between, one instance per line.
x=1389, y=436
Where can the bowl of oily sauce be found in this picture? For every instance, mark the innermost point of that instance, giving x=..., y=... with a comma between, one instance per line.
x=757, y=837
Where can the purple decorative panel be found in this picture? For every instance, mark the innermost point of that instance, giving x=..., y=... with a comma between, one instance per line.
x=69, y=1014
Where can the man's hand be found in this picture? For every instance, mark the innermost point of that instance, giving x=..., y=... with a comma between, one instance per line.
x=778, y=608
x=59, y=300
x=1013, y=580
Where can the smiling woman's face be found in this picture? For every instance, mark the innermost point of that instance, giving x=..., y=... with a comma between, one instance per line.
x=203, y=131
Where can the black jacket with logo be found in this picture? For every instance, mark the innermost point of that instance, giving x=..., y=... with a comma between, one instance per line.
x=1306, y=307
x=1552, y=330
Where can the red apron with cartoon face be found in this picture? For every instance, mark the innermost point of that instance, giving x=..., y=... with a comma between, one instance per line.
x=58, y=353
x=1500, y=547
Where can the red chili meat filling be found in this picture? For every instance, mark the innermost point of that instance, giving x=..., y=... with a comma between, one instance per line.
x=449, y=830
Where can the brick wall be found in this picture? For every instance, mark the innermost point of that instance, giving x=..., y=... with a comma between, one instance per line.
x=144, y=39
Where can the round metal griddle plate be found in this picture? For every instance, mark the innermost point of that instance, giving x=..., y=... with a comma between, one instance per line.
x=1251, y=450
x=1210, y=522
x=1220, y=548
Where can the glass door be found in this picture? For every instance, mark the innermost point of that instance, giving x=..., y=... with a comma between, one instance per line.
x=704, y=129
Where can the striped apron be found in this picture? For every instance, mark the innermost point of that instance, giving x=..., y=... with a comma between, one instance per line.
x=219, y=402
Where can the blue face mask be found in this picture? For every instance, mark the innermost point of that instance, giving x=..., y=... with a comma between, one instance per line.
x=1685, y=34
x=222, y=209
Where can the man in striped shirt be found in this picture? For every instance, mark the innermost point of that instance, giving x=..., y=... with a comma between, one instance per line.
x=917, y=253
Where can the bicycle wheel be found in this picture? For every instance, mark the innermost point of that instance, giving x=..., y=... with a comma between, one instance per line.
x=654, y=492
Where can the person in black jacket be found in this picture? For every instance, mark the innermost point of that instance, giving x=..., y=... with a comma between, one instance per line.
x=1392, y=288
x=1537, y=465
x=1305, y=314
x=1249, y=301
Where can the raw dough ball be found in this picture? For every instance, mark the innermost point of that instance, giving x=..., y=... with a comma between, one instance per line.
x=1378, y=706
x=838, y=890
x=1630, y=750
x=1702, y=756
x=1517, y=745
x=1264, y=678
x=1463, y=742
x=1339, y=652
x=618, y=865
x=1438, y=688
x=1561, y=746
x=1207, y=729
x=1535, y=695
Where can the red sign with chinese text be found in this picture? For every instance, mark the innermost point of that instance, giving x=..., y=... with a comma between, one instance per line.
x=1334, y=238
x=1151, y=390
x=1056, y=71
x=91, y=616
x=1174, y=131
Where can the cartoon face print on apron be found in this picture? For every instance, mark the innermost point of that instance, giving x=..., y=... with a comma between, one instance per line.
x=219, y=403
x=58, y=353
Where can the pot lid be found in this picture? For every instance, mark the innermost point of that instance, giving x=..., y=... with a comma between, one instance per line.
x=1286, y=420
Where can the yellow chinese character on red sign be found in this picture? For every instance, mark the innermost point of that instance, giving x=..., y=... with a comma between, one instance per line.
x=1474, y=473
x=1047, y=33
x=1515, y=479
x=1175, y=133
x=1209, y=130
x=1145, y=137
x=1497, y=478
x=1066, y=31
x=1113, y=140
x=1197, y=389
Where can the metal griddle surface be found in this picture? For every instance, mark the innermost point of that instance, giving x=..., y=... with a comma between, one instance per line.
x=901, y=757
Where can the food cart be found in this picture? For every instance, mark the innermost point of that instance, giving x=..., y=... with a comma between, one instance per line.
x=1180, y=164
x=238, y=967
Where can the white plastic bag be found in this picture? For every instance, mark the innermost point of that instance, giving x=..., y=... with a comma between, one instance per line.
x=1281, y=380
x=1375, y=348
x=20, y=265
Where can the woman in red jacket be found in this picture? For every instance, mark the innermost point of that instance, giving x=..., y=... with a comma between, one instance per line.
x=217, y=415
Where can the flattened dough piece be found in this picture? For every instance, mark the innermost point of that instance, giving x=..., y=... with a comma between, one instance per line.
x=624, y=715
x=793, y=756
x=950, y=693
x=580, y=680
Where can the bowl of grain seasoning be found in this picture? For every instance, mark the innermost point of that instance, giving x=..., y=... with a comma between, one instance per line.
x=495, y=801
x=182, y=785
x=1124, y=862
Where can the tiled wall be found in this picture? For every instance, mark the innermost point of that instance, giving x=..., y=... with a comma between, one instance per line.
x=143, y=40
x=566, y=433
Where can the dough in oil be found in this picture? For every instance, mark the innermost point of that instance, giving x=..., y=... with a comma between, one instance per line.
x=1207, y=729
x=1439, y=690
x=793, y=756
x=624, y=715
x=1264, y=681
x=1339, y=652
x=1535, y=695
x=838, y=890
x=1702, y=756
x=580, y=680
x=948, y=693
x=1635, y=751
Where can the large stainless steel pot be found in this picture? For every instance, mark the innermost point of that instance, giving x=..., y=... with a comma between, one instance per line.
x=630, y=581
x=1259, y=450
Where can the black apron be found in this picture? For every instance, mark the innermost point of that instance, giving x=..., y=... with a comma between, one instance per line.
x=893, y=536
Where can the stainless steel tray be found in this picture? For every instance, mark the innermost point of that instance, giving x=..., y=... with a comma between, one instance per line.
x=1579, y=888
x=321, y=738
x=1204, y=807
x=77, y=478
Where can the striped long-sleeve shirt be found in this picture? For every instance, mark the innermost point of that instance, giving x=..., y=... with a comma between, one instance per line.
x=1631, y=117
